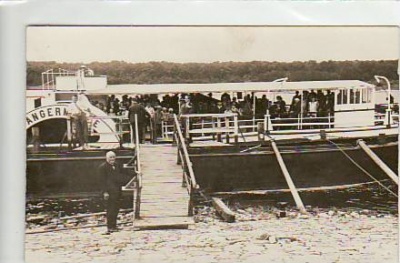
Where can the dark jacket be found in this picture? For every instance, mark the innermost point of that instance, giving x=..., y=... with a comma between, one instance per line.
x=138, y=109
x=112, y=178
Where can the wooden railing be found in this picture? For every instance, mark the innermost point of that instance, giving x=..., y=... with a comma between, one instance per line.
x=167, y=130
x=138, y=171
x=390, y=117
x=135, y=184
x=188, y=179
x=122, y=127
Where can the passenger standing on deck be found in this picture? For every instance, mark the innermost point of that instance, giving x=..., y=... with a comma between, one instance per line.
x=142, y=115
x=113, y=179
x=296, y=96
x=220, y=108
x=77, y=113
x=295, y=108
x=281, y=107
x=186, y=108
x=150, y=121
x=158, y=117
x=330, y=102
x=313, y=107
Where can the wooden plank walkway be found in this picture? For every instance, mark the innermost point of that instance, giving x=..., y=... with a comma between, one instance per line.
x=164, y=202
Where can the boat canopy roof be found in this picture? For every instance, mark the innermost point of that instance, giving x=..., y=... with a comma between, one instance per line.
x=123, y=89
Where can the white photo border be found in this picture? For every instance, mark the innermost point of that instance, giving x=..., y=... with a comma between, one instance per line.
x=16, y=16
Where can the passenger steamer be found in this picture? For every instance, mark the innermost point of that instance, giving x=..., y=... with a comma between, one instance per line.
x=220, y=152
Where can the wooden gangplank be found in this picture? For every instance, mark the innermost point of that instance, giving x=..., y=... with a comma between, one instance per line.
x=164, y=202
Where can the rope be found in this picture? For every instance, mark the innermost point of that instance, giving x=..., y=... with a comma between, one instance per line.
x=362, y=169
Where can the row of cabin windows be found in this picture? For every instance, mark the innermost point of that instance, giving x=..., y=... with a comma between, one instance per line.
x=353, y=96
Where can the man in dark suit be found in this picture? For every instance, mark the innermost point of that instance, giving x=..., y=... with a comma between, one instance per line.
x=113, y=179
x=142, y=116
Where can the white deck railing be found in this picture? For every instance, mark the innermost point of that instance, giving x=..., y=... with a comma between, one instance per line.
x=210, y=124
x=206, y=126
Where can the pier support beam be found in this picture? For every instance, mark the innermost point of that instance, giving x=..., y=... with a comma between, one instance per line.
x=378, y=161
x=292, y=187
x=223, y=210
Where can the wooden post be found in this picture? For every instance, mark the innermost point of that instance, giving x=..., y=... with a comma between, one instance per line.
x=178, y=157
x=187, y=129
x=174, y=135
x=260, y=131
x=236, y=125
x=267, y=123
x=190, y=204
x=223, y=210
x=288, y=178
x=329, y=120
x=131, y=134
x=69, y=133
x=322, y=134
x=162, y=130
x=388, y=116
x=137, y=141
x=227, y=126
x=184, y=171
x=213, y=126
x=378, y=161
x=219, y=139
x=138, y=196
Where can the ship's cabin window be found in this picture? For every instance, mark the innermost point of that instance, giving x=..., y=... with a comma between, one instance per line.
x=355, y=96
x=342, y=97
x=366, y=95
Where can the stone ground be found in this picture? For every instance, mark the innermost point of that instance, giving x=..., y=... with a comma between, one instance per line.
x=322, y=236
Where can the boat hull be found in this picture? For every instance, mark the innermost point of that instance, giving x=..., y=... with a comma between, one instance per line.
x=53, y=174
x=310, y=166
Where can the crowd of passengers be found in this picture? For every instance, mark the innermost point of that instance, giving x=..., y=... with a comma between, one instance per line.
x=310, y=103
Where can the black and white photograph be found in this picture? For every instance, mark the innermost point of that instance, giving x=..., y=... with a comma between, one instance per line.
x=212, y=144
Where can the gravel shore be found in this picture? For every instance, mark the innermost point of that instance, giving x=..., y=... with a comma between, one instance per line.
x=322, y=236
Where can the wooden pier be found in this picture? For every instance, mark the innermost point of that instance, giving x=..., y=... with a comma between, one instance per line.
x=164, y=201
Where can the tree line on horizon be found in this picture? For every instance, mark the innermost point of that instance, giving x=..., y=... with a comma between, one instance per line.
x=120, y=72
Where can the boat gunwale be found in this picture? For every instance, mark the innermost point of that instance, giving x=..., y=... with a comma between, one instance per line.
x=299, y=150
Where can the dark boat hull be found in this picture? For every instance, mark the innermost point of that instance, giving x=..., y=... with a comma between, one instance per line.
x=52, y=174
x=310, y=166
x=221, y=169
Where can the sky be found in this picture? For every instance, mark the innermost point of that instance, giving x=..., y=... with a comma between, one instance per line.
x=211, y=44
